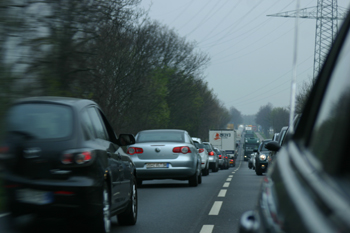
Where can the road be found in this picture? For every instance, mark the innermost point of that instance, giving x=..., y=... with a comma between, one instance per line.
x=172, y=206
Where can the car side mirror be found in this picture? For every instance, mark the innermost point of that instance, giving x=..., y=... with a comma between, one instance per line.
x=125, y=139
x=273, y=146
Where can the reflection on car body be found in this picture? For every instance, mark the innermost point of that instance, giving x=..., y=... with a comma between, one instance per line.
x=307, y=188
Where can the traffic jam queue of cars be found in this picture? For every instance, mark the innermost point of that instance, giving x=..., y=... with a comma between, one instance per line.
x=62, y=159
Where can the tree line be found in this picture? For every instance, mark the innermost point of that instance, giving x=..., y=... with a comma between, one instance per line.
x=142, y=74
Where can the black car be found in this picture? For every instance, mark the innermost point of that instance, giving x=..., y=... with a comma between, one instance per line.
x=261, y=158
x=62, y=158
x=307, y=187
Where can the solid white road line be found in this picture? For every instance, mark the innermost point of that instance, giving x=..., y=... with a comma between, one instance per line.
x=215, y=209
x=207, y=229
x=222, y=193
x=226, y=184
x=3, y=215
x=228, y=179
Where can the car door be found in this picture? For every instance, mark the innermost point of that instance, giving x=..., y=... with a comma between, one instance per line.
x=110, y=160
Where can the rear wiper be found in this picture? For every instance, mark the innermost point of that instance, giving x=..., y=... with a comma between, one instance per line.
x=23, y=133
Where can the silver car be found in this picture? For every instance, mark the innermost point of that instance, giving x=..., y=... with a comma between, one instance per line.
x=213, y=157
x=204, y=154
x=166, y=154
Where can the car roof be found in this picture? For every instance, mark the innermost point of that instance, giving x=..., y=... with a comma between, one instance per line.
x=76, y=102
x=164, y=130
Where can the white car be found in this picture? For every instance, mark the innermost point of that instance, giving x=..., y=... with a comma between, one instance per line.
x=204, y=154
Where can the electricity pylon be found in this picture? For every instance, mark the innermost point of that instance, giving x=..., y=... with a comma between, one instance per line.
x=327, y=13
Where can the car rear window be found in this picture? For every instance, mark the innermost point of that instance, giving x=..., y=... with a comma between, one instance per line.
x=160, y=136
x=42, y=121
x=208, y=147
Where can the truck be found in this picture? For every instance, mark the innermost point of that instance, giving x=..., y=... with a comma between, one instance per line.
x=224, y=139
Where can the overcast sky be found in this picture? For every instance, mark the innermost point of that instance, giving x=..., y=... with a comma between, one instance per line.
x=251, y=54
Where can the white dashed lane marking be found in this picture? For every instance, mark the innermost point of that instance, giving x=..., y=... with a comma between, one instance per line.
x=230, y=176
x=222, y=193
x=228, y=179
x=215, y=209
x=226, y=184
x=207, y=229
x=3, y=215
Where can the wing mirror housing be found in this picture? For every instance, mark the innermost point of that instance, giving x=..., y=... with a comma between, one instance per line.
x=125, y=140
x=273, y=146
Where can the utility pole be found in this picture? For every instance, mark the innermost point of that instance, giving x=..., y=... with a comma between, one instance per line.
x=327, y=13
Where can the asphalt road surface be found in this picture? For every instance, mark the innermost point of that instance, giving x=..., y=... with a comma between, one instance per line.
x=171, y=206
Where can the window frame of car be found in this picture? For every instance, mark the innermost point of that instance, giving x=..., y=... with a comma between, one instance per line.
x=305, y=129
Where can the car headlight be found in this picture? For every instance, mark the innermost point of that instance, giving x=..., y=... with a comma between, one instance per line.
x=257, y=141
x=262, y=157
x=245, y=156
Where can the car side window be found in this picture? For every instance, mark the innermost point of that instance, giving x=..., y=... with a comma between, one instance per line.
x=329, y=137
x=97, y=124
x=87, y=125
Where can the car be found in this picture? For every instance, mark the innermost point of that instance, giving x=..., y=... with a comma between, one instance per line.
x=307, y=186
x=251, y=160
x=213, y=157
x=226, y=159
x=261, y=158
x=166, y=154
x=204, y=155
x=222, y=159
x=62, y=159
x=275, y=137
x=232, y=160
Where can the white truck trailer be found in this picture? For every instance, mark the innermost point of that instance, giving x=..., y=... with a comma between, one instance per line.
x=224, y=139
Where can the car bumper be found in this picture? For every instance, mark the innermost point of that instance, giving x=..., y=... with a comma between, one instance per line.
x=78, y=195
x=262, y=166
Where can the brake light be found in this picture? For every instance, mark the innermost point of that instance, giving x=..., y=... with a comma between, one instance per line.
x=77, y=157
x=134, y=150
x=211, y=153
x=201, y=150
x=219, y=156
x=182, y=149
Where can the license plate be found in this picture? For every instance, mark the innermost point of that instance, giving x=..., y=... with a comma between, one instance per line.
x=34, y=196
x=157, y=165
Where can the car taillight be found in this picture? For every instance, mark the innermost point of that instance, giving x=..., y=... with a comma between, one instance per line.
x=211, y=153
x=201, y=150
x=219, y=156
x=64, y=193
x=182, y=149
x=77, y=157
x=134, y=150
x=226, y=157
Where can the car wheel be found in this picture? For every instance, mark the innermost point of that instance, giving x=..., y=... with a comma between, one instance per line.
x=258, y=172
x=205, y=172
x=200, y=178
x=129, y=217
x=139, y=182
x=102, y=222
x=193, y=180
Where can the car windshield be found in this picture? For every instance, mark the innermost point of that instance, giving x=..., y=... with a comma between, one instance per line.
x=160, y=136
x=42, y=121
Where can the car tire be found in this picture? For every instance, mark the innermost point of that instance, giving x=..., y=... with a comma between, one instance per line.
x=102, y=222
x=205, y=172
x=200, y=178
x=129, y=217
x=193, y=180
x=139, y=182
x=258, y=172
